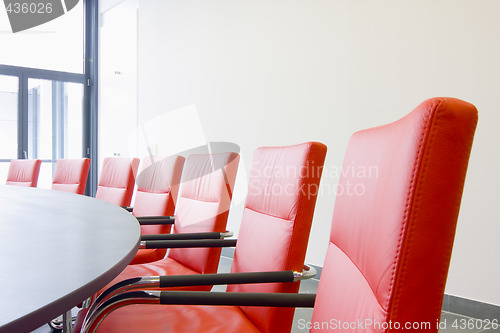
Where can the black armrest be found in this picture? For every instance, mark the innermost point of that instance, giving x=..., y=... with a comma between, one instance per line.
x=155, y=220
x=165, y=281
x=172, y=244
x=183, y=236
x=237, y=298
x=225, y=278
x=128, y=209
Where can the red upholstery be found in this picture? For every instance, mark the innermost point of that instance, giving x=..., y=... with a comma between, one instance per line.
x=274, y=233
x=157, y=188
x=202, y=206
x=390, y=244
x=206, y=319
x=70, y=175
x=117, y=179
x=23, y=172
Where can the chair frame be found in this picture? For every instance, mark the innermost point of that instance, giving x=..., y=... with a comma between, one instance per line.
x=133, y=290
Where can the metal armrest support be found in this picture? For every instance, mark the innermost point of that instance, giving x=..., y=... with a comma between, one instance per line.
x=308, y=272
x=93, y=320
x=155, y=220
x=155, y=282
x=188, y=235
x=190, y=243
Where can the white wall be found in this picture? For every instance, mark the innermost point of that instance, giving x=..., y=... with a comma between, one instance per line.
x=281, y=72
x=117, y=78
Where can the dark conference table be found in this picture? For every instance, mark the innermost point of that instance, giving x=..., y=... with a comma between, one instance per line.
x=57, y=249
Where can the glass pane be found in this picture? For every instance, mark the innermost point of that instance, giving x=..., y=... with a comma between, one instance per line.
x=58, y=43
x=40, y=119
x=54, y=123
x=8, y=116
x=74, y=130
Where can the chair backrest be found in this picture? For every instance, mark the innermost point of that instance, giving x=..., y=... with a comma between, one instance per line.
x=117, y=180
x=392, y=237
x=277, y=217
x=70, y=175
x=157, y=188
x=23, y=172
x=203, y=205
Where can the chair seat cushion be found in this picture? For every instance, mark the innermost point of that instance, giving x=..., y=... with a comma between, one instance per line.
x=175, y=318
x=144, y=256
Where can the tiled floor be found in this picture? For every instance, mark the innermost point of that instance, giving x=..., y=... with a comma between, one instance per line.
x=450, y=322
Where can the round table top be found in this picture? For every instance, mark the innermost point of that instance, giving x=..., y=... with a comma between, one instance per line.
x=57, y=249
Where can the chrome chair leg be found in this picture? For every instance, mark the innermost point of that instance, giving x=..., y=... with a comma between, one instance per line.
x=67, y=322
x=57, y=325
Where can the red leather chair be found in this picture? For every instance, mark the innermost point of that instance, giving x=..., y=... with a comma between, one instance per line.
x=23, y=172
x=390, y=242
x=393, y=243
x=274, y=233
x=70, y=175
x=202, y=206
x=117, y=180
x=156, y=195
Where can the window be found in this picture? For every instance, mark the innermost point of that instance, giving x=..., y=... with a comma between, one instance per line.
x=42, y=117
x=48, y=91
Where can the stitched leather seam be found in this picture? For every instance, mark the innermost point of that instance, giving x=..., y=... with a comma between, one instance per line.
x=437, y=308
x=417, y=196
x=298, y=216
x=411, y=205
x=226, y=184
x=149, y=192
x=360, y=272
x=276, y=217
x=241, y=307
x=206, y=201
x=107, y=186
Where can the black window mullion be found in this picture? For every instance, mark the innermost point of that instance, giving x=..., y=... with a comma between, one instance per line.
x=22, y=122
x=90, y=100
